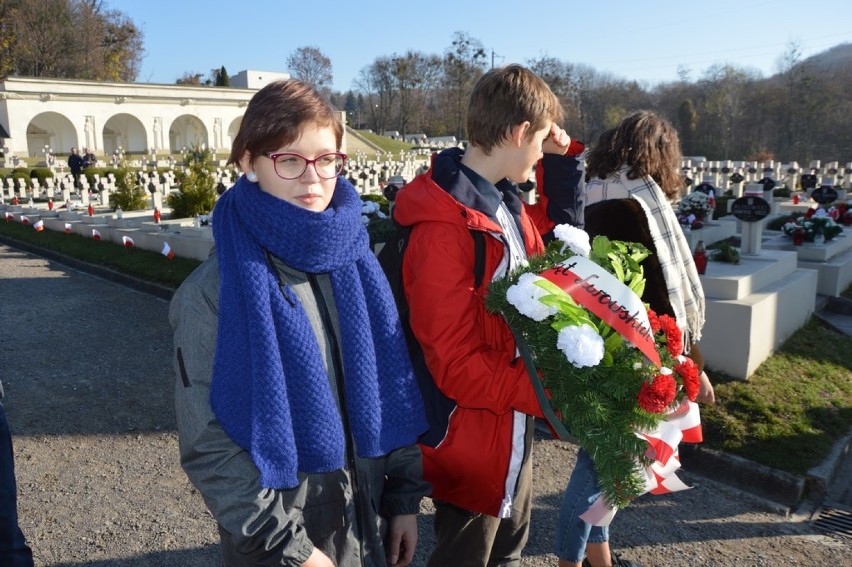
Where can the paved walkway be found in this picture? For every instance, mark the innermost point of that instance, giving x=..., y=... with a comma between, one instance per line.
x=712, y=524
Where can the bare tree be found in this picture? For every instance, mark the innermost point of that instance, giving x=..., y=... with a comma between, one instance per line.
x=78, y=39
x=42, y=35
x=377, y=83
x=688, y=124
x=415, y=73
x=559, y=76
x=310, y=65
x=464, y=63
x=121, y=47
x=189, y=78
x=7, y=38
x=725, y=87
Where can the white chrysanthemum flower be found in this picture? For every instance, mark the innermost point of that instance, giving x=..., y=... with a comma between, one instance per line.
x=582, y=345
x=576, y=239
x=525, y=295
x=365, y=220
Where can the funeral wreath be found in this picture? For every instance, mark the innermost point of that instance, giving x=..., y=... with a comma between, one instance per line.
x=611, y=368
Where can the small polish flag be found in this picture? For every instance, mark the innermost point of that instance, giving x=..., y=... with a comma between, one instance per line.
x=167, y=251
x=128, y=242
x=24, y=220
x=67, y=228
x=39, y=225
x=95, y=234
x=9, y=216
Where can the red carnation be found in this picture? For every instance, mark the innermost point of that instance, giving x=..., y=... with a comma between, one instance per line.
x=659, y=394
x=688, y=371
x=654, y=320
x=674, y=340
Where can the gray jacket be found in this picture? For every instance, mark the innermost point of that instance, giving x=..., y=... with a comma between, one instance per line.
x=280, y=527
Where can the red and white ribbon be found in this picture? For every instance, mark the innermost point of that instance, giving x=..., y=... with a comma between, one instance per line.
x=592, y=287
x=682, y=424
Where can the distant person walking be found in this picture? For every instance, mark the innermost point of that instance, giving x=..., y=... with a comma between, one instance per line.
x=89, y=159
x=75, y=164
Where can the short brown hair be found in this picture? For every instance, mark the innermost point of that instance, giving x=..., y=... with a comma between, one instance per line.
x=505, y=97
x=276, y=114
x=645, y=142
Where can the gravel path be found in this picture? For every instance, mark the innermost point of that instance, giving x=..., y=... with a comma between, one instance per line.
x=87, y=369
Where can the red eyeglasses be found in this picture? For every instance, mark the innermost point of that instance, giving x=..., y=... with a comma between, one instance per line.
x=289, y=165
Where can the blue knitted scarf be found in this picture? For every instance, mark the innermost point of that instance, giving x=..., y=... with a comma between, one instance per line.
x=270, y=389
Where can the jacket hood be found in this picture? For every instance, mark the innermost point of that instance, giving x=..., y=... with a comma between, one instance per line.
x=445, y=193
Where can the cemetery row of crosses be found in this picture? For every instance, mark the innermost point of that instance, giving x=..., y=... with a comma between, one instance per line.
x=708, y=182
x=780, y=226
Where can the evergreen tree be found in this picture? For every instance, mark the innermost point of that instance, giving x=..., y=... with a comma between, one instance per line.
x=197, y=188
x=222, y=79
x=130, y=195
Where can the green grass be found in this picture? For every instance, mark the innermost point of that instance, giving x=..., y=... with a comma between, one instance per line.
x=144, y=264
x=792, y=409
x=787, y=415
x=387, y=144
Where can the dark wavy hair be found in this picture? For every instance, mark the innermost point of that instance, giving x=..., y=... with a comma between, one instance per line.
x=645, y=142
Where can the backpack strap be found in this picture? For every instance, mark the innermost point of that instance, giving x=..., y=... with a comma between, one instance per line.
x=553, y=421
x=478, y=258
x=556, y=425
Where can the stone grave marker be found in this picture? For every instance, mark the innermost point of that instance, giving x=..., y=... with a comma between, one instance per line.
x=751, y=208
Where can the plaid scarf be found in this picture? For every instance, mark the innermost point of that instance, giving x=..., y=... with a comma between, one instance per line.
x=682, y=283
x=270, y=389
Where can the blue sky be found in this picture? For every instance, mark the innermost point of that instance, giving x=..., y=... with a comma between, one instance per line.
x=643, y=40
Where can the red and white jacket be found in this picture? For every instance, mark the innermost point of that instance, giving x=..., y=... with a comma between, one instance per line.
x=469, y=351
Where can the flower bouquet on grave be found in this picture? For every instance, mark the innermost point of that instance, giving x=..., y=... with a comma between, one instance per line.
x=814, y=222
x=610, y=368
x=694, y=208
x=840, y=214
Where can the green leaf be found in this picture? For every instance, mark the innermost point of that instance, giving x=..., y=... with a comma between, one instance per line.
x=563, y=303
x=550, y=287
x=617, y=269
x=614, y=341
x=601, y=246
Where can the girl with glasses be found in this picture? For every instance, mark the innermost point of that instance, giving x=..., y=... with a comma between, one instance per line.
x=296, y=404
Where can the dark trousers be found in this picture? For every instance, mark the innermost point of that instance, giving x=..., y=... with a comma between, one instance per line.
x=14, y=551
x=469, y=539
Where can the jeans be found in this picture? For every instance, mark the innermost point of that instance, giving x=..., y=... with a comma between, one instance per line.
x=14, y=551
x=572, y=533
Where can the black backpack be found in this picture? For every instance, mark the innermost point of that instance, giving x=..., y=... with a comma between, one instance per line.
x=438, y=407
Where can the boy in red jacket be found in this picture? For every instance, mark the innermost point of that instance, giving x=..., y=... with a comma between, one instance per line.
x=481, y=469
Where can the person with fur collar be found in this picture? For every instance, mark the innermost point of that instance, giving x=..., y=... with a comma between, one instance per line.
x=632, y=177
